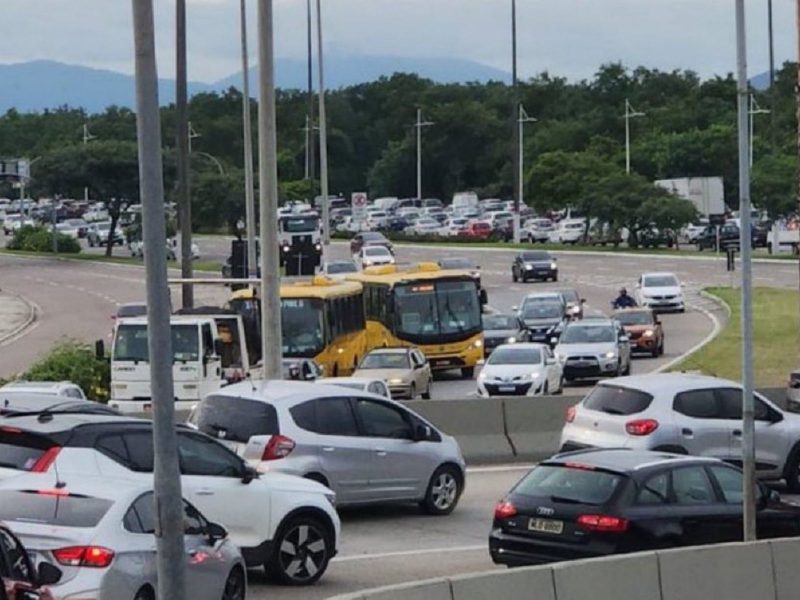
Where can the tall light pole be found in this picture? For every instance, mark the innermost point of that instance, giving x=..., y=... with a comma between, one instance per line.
x=771, y=36
x=249, y=194
x=183, y=147
x=517, y=166
x=419, y=126
x=323, y=136
x=521, y=120
x=86, y=137
x=745, y=243
x=311, y=161
x=629, y=114
x=268, y=196
x=754, y=110
x=170, y=555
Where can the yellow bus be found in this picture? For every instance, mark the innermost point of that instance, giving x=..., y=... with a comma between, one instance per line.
x=321, y=319
x=437, y=310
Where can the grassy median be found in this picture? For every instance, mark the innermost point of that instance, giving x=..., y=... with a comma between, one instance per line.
x=776, y=338
x=209, y=266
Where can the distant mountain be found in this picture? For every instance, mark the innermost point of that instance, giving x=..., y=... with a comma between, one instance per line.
x=760, y=81
x=44, y=84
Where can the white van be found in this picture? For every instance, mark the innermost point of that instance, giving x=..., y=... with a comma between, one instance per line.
x=465, y=201
x=570, y=231
x=385, y=204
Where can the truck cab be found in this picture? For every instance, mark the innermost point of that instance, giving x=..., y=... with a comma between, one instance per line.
x=300, y=242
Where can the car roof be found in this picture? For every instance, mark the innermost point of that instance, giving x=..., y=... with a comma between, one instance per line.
x=524, y=346
x=669, y=383
x=33, y=385
x=288, y=393
x=623, y=460
x=593, y=321
x=58, y=422
x=390, y=351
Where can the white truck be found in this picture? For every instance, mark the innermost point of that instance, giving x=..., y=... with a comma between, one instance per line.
x=207, y=353
x=706, y=193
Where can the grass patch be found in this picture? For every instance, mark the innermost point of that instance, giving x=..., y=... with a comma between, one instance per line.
x=198, y=265
x=776, y=331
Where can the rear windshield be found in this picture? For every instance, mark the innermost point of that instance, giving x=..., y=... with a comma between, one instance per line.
x=20, y=451
x=51, y=509
x=235, y=419
x=569, y=484
x=617, y=400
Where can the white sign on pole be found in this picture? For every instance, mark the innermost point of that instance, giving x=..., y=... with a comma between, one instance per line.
x=359, y=206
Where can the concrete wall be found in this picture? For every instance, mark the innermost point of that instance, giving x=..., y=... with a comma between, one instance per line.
x=758, y=571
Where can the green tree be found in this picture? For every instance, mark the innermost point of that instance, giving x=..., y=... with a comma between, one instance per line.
x=774, y=185
x=75, y=362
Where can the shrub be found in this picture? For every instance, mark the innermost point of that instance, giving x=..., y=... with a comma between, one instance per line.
x=39, y=239
x=76, y=362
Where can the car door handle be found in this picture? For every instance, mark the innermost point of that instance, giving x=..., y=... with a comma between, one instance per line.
x=328, y=449
x=686, y=431
x=205, y=492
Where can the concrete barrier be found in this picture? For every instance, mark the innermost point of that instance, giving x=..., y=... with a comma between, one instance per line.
x=477, y=424
x=534, y=424
x=531, y=584
x=633, y=577
x=784, y=565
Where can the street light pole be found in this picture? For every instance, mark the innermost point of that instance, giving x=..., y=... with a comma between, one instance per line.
x=745, y=243
x=183, y=147
x=515, y=103
x=754, y=110
x=168, y=506
x=311, y=137
x=268, y=196
x=419, y=125
x=521, y=120
x=323, y=136
x=86, y=137
x=772, y=132
x=249, y=194
x=629, y=114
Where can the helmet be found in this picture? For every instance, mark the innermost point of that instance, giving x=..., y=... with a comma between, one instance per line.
x=623, y=292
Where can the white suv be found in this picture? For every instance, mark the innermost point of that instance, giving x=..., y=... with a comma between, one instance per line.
x=661, y=292
x=685, y=414
x=273, y=518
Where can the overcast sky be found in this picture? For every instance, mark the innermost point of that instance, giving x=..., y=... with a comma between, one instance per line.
x=566, y=37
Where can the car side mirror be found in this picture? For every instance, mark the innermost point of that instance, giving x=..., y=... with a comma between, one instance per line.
x=624, y=339
x=249, y=474
x=215, y=532
x=48, y=574
x=550, y=361
x=657, y=322
x=775, y=417
x=422, y=433
x=99, y=350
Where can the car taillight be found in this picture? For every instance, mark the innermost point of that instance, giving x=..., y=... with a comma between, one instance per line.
x=603, y=523
x=641, y=427
x=571, y=412
x=505, y=510
x=44, y=462
x=279, y=446
x=84, y=556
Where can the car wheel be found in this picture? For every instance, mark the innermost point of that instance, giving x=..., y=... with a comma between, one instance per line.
x=560, y=389
x=443, y=491
x=144, y=594
x=555, y=278
x=546, y=389
x=656, y=352
x=427, y=394
x=234, y=586
x=412, y=394
x=661, y=349
x=627, y=370
x=468, y=372
x=301, y=554
x=514, y=277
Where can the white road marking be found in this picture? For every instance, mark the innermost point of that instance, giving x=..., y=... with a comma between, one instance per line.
x=401, y=553
x=714, y=333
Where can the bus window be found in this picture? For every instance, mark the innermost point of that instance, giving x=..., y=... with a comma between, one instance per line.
x=303, y=328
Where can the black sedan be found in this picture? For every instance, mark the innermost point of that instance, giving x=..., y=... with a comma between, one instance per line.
x=499, y=329
x=594, y=503
x=534, y=264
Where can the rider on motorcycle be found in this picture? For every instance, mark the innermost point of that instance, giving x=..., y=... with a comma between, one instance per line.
x=623, y=300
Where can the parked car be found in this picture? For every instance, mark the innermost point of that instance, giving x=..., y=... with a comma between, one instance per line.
x=477, y=230
x=653, y=237
x=662, y=292
x=373, y=256
x=14, y=223
x=499, y=329
x=538, y=230
x=644, y=330
x=454, y=226
x=602, y=502
x=362, y=384
x=688, y=414
x=423, y=226
x=525, y=369
x=405, y=370
x=534, y=264
x=339, y=269
x=65, y=389
x=20, y=577
x=97, y=235
x=34, y=403
x=728, y=238
x=368, y=238
x=67, y=230
x=594, y=348
x=380, y=451
x=793, y=391
x=101, y=533
x=260, y=513
x=569, y=231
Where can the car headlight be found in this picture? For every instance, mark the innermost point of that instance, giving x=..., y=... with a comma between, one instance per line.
x=534, y=376
x=396, y=381
x=511, y=340
x=610, y=355
x=575, y=310
x=478, y=344
x=553, y=266
x=649, y=333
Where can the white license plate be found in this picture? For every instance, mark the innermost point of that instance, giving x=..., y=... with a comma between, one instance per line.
x=506, y=388
x=546, y=526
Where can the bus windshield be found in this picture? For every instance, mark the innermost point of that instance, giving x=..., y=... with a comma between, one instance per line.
x=303, y=326
x=300, y=224
x=130, y=344
x=437, y=310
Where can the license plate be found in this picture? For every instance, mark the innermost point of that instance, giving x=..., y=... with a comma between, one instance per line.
x=443, y=361
x=546, y=526
x=506, y=388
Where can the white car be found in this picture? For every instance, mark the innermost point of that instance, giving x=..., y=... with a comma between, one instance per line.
x=538, y=230
x=661, y=292
x=338, y=270
x=362, y=384
x=569, y=231
x=68, y=230
x=65, y=389
x=424, y=226
x=373, y=256
x=521, y=370
x=100, y=533
x=453, y=226
x=377, y=219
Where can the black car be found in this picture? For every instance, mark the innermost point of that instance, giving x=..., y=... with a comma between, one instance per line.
x=396, y=224
x=594, y=503
x=729, y=237
x=544, y=320
x=534, y=264
x=501, y=329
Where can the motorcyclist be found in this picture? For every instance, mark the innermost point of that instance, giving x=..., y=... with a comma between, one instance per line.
x=623, y=300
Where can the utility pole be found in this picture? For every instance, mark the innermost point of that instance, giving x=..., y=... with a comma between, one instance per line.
x=323, y=137
x=797, y=102
x=754, y=110
x=86, y=137
x=249, y=199
x=310, y=135
x=772, y=132
x=629, y=114
x=521, y=120
x=745, y=243
x=419, y=125
x=170, y=556
x=268, y=196
x=515, y=104
x=182, y=145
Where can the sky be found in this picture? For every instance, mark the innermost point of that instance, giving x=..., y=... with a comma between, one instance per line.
x=568, y=38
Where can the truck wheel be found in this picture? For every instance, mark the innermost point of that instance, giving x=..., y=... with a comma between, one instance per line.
x=468, y=372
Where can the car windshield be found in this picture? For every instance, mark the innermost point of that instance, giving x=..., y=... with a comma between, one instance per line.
x=660, y=281
x=299, y=224
x=515, y=356
x=570, y=296
x=373, y=237
x=303, y=327
x=583, y=485
x=385, y=360
x=634, y=317
x=376, y=251
x=542, y=310
x=39, y=506
x=588, y=334
x=535, y=256
x=130, y=343
x=500, y=322
x=342, y=267
x=436, y=311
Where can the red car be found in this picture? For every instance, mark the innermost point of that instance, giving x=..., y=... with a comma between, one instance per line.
x=19, y=579
x=478, y=230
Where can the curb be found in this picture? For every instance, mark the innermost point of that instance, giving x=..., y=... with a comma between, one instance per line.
x=17, y=332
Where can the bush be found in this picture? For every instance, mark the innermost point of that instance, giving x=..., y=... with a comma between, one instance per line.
x=75, y=362
x=39, y=239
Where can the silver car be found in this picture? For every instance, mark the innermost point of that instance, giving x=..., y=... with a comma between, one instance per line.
x=100, y=534
x=685, y=414
x=594, y=348
x=367, y=448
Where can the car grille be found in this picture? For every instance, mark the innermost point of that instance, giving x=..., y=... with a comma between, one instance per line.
x=662, y=297
x=635, y=335
x=520, y=389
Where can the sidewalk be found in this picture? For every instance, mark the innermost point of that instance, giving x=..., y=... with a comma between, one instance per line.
x=15, y=315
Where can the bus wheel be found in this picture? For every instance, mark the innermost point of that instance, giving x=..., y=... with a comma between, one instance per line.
x=468, y=372
x=335, y=370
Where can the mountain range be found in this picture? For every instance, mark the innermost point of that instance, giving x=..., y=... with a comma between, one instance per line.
x=45, y=84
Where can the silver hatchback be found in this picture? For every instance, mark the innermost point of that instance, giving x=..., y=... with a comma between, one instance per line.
x=365, y=447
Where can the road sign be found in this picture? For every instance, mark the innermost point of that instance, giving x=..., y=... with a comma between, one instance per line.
x=15, y=167
x=359, y=206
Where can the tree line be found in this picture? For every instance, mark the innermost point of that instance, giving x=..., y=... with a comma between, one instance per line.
x=574, y=152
